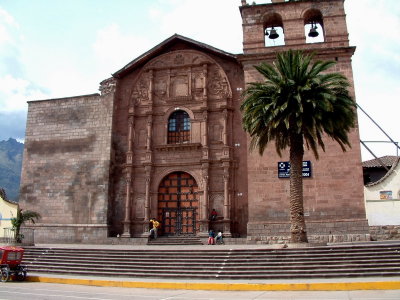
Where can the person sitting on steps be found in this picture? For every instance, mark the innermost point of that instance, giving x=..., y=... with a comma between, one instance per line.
x=214, y=214
x=211, y=236
x=219, y=239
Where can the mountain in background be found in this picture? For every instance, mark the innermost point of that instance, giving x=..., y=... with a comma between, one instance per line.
x=10, y=167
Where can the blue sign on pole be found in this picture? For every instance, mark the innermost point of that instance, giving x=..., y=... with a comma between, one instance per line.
x=284, y=169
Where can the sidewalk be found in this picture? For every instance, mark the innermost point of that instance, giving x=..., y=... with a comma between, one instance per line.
x=335, y=284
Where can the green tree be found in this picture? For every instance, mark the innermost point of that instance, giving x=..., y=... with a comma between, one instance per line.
x=21, y=218
x=297, y=103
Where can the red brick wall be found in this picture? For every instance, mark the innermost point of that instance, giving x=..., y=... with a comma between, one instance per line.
x=66, y=167
x=333, y=197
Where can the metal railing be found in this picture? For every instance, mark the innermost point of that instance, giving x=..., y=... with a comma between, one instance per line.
x=26, y=237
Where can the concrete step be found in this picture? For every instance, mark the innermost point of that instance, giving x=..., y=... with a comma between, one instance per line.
x=239, y=257
x=321, y=249
x=217, y=249
x=175, y=240
x=204, y=257
x=318, y=262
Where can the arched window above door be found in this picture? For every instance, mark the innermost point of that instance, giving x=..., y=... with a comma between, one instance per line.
x=178, y=127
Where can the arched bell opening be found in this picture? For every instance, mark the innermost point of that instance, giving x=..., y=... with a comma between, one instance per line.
x=314, y=26
x=273, y=30
x=178, y=205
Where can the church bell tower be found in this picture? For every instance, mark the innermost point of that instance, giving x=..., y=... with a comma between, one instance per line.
x=333, y=196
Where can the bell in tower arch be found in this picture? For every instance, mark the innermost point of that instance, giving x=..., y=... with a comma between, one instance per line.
x=313, y=31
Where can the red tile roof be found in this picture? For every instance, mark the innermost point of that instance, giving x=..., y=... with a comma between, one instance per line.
x=387, y=160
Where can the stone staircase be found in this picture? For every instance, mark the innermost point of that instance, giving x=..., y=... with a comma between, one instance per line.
x=209, y=263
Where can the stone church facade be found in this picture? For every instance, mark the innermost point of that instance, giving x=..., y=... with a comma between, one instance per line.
x=164, y=140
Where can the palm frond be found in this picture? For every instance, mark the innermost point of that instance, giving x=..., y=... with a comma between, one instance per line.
x=298, y=95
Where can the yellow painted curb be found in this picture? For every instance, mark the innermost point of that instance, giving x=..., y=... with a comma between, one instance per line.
x=315, y=286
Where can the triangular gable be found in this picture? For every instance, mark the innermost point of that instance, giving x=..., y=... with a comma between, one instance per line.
x=147, y=56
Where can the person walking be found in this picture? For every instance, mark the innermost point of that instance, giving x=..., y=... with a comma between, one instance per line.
x=155, y=224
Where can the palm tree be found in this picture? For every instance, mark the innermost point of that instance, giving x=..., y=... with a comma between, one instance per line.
x=296, y=104
x=21, y=218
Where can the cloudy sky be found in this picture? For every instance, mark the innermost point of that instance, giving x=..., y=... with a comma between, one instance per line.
x=55, y=48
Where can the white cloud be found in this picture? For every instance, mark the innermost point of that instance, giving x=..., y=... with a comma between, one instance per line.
x=8, y=30
x=155, y=13
x=113, y=49
x=217, y=23
x=373, y=29
x=15, y=92
x=7, y=18
x=12, y=89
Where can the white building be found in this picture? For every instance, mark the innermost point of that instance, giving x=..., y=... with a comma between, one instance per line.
x=8, y=210
x=382, y=190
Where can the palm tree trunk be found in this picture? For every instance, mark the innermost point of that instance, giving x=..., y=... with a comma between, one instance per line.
x=297, y=223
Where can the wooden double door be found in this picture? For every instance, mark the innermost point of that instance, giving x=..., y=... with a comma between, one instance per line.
x=178, y=205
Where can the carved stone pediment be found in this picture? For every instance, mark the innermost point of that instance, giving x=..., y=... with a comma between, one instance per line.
x=178, y=59
x=181, y=76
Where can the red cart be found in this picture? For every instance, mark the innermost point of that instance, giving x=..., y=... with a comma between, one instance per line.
x=10, y=263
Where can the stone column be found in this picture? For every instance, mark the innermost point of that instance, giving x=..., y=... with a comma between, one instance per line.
x=168, y=83
x=190, y=82
x=149, y=129
x=147, y=204
x=128, y=179
x=127, y=219
x=205, y=204
x=226, y=195
x=151, y=86
x=205, y=129
x=205, y=81
x=227, y=202
x=147, y=200
x=225, y=130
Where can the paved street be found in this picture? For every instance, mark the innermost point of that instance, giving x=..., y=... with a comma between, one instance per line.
x=46, y=291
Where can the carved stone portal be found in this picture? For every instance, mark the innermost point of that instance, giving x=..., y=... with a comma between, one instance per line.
x=218, y=84
x=160, y=87
x=181, y=75
x=179, y=86
x=141, y=91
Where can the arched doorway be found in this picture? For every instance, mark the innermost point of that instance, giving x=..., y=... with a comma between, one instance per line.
x=178, y=204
